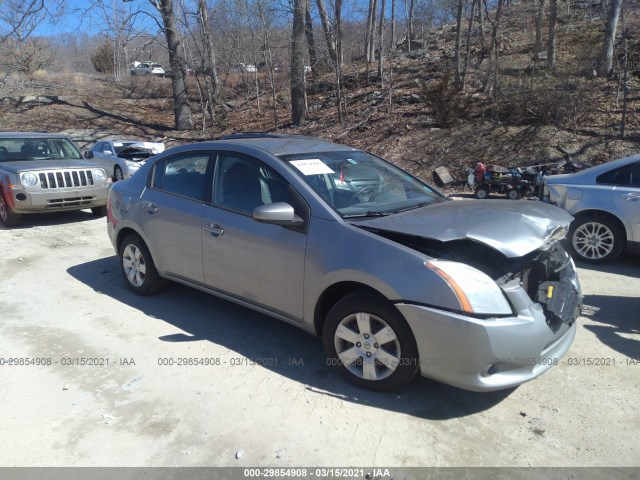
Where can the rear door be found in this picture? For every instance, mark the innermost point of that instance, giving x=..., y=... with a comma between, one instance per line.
x=171, y=213
x=256, y=262
x=626, y=198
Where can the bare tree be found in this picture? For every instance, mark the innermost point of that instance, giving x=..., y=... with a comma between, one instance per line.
x=606, y=65
x=539, y=19
x=409, y=22
x=493, y=75
x=308, y=30
x=381, y=26
x=369, y=33
x=468, y=40
x=298, y=93
x=456, y=61
x=326, y=27
x=393, y=23
x=27, y=56
x=18, y=19
x=181, y=108
x=551, y=42
x=338, y=62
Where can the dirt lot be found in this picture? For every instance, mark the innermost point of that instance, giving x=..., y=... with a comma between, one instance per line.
x=62, y=300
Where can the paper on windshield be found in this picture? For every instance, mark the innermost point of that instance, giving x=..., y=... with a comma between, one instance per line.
x=311, y=166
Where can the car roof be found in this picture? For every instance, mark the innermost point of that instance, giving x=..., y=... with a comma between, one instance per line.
x=31, y=135
x=277, y=144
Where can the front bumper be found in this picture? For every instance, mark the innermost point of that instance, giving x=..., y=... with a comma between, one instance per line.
x=485, y=355
x=58, y=200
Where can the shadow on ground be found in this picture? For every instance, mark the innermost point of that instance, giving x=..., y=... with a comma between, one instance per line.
x=55, y=218
x=299, y=356
x=619, y=317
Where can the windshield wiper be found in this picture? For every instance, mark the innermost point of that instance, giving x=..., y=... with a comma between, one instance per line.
x=370, y=213
x=413, y=207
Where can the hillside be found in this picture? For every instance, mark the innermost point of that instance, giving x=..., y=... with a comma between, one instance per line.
x=415, y=119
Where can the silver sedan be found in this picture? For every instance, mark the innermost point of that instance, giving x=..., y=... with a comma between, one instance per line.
x=122, y=158
x=605, y=201
x=396, y=278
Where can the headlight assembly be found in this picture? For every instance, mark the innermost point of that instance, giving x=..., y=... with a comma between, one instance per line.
x=476, y=291
x=99, y=175
x=28, y=179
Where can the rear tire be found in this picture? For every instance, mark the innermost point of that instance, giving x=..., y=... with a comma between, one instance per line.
x=595, y=239
x=138, y=268
x=370, y=342
x=513, y=194
x=7, y=216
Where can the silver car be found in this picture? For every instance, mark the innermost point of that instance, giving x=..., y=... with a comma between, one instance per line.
x=605, y=201
x=396, y=278
x=44, y=172
x=122, y=158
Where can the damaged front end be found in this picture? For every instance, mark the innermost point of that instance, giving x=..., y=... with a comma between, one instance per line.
x=484, y=352
x=546, y=275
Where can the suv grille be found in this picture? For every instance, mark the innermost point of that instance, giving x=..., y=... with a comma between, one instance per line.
x=65, y=179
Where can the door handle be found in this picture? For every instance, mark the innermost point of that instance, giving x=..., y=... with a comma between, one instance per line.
x=214, y=229
x=151, y=208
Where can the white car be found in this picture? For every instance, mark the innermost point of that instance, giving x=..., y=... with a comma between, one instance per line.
x=147, y=68
x=122, y=158
x=605, y=201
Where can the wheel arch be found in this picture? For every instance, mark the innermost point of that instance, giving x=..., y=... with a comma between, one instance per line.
x=122, y=234
x=333, y=294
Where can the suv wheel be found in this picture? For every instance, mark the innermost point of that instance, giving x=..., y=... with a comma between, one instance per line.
x=370, y=343
x=595, y=239
x=138, y=268
x=7, y=216
x=117, y=173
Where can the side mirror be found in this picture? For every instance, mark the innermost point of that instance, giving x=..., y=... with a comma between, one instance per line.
x=88, y=154
x=279, y=213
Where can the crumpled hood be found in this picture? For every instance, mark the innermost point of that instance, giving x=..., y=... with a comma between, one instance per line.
x=514, y=228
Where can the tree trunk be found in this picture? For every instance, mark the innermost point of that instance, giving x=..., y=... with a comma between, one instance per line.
x=456, y=61
x=298, y=108
x=551, y=45
x=210, y=61
x=308, y=30
x=468, y=46
x=326, y=27
x=372, y=35
x=370, y=21
x=539, y=18
x=182, y=111
x=410, y=25
x=393, y=24
x=381, y=42
x=606, y=64
x=338, y=63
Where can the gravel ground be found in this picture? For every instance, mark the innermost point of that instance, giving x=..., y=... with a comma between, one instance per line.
x=267, y=398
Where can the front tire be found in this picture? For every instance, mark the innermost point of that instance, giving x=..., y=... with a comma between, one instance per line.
x=7, y=216
x=370, y=343
x=595, y=239
x=117, y=173
x=482, y=192
x=99, y=211
x=138, y=268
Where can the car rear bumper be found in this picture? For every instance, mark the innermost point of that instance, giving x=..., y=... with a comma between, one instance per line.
x=487, y=354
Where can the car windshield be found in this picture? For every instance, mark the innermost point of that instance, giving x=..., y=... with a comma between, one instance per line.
x=120, y=146
x=32, y=149
x=358, y=184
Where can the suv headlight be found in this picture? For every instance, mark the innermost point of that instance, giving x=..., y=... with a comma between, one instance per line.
x=99, y=175
x=132, y=164
x=476, y=291
x=28, y=179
